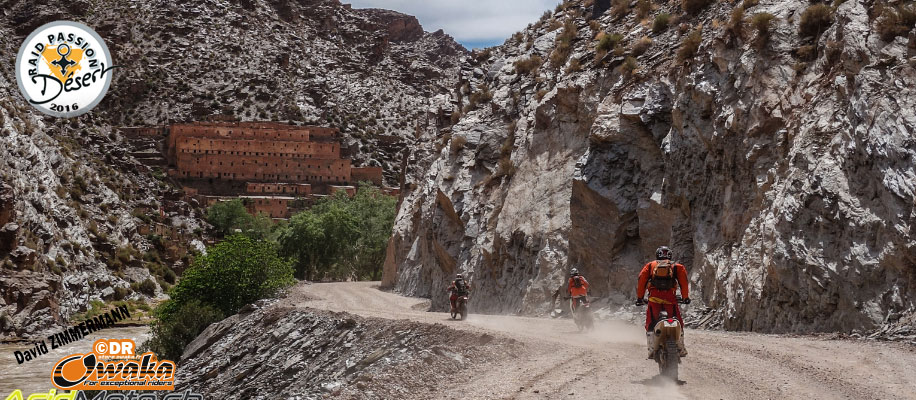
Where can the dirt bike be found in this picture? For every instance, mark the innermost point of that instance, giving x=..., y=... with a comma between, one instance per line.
x=667, y=331
x=461, y=307
x=583, y=314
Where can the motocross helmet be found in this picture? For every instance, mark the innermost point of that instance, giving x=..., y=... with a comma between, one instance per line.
x=458, y=276
x=574, y=272
x=663, y=253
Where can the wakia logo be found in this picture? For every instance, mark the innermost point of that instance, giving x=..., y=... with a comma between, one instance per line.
x=113, y=364
x=64, y=69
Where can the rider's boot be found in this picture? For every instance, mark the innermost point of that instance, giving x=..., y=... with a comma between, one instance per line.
x=681, y=349
x=650, y=344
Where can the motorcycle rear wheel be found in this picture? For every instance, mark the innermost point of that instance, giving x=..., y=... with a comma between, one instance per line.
x=672, y=359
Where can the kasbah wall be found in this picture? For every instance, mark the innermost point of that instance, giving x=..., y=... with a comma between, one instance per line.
x=268, y=164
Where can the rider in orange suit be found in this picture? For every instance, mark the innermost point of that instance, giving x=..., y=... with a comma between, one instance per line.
x=580, y=290
x=459, y=287
x=663, y=299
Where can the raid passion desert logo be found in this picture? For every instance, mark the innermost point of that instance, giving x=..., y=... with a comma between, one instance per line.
x=64, y=69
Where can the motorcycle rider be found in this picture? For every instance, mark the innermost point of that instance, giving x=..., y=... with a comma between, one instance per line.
x=662, y=277
x=576, y=287
x=459, y=287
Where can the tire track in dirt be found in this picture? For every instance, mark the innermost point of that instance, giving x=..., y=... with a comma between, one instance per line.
x=609, y=362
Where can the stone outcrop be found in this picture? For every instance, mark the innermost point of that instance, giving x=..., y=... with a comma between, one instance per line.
x=65, y=212
x=273, y=351
x=8, y=228
x=400, y=27
x=785, y=184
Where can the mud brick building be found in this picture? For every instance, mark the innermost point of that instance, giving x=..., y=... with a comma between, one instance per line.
x=270, y=165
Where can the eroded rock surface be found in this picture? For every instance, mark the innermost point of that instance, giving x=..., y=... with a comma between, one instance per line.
x=267, y=351
x=785, y=185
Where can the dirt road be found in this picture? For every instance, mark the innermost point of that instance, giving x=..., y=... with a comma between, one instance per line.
x=608, y=363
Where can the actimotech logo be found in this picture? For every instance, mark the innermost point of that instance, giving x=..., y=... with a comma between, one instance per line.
x=113, y=365
x=64, y=69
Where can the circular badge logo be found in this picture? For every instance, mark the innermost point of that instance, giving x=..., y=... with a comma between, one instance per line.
x=64, y=69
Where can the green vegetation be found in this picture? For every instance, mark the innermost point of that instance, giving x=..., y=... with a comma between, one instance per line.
x=762, y=22
x=96, y=308
x=815, y=20
x=694, y=7
x=147, y=287
x=341, y=237
x=641, y=46
x=564, y=44
x=606, y=41
x=170, y=336
x=574, y=66
x=528, y=65
x=620, y=8
x=661, y=22
x=806, y=52
x=481, y=95
x=643, y=7
x=237, y=271
x=458, y=143
x=229, y=216
x=628, y=66
x=690, y=45
x=895, y=21
x=736, y=21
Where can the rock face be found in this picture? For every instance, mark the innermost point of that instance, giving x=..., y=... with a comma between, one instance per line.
x=785, y=183
x=268, y=351
x=8, y=228
x=400, y=27
x=74, y=193
x=64, y=210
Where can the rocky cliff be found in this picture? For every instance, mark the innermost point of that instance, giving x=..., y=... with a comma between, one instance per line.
x=72, y=204
x=82, y=220
x=770, y=147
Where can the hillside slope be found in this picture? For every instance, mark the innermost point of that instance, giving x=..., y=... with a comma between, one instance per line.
x=778, y=166
x=78, y=201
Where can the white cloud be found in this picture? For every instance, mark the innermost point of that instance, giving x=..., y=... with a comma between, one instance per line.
x=468, y=21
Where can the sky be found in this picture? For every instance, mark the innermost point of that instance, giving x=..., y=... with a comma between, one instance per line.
x=473, y=23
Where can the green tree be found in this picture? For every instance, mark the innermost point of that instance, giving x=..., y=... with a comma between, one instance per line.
x=304, y=239
x=171, y=335
x=341, y=237
x=227, y=216
x=375, y=213
x=258, y=227
x=237, y=271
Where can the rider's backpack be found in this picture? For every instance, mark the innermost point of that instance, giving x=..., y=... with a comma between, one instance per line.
x=662, y=277
x=577, y=281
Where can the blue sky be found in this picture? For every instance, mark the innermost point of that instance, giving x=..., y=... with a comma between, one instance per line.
x=473, y=23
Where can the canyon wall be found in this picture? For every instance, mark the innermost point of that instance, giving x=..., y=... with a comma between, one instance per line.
x=779, y=168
